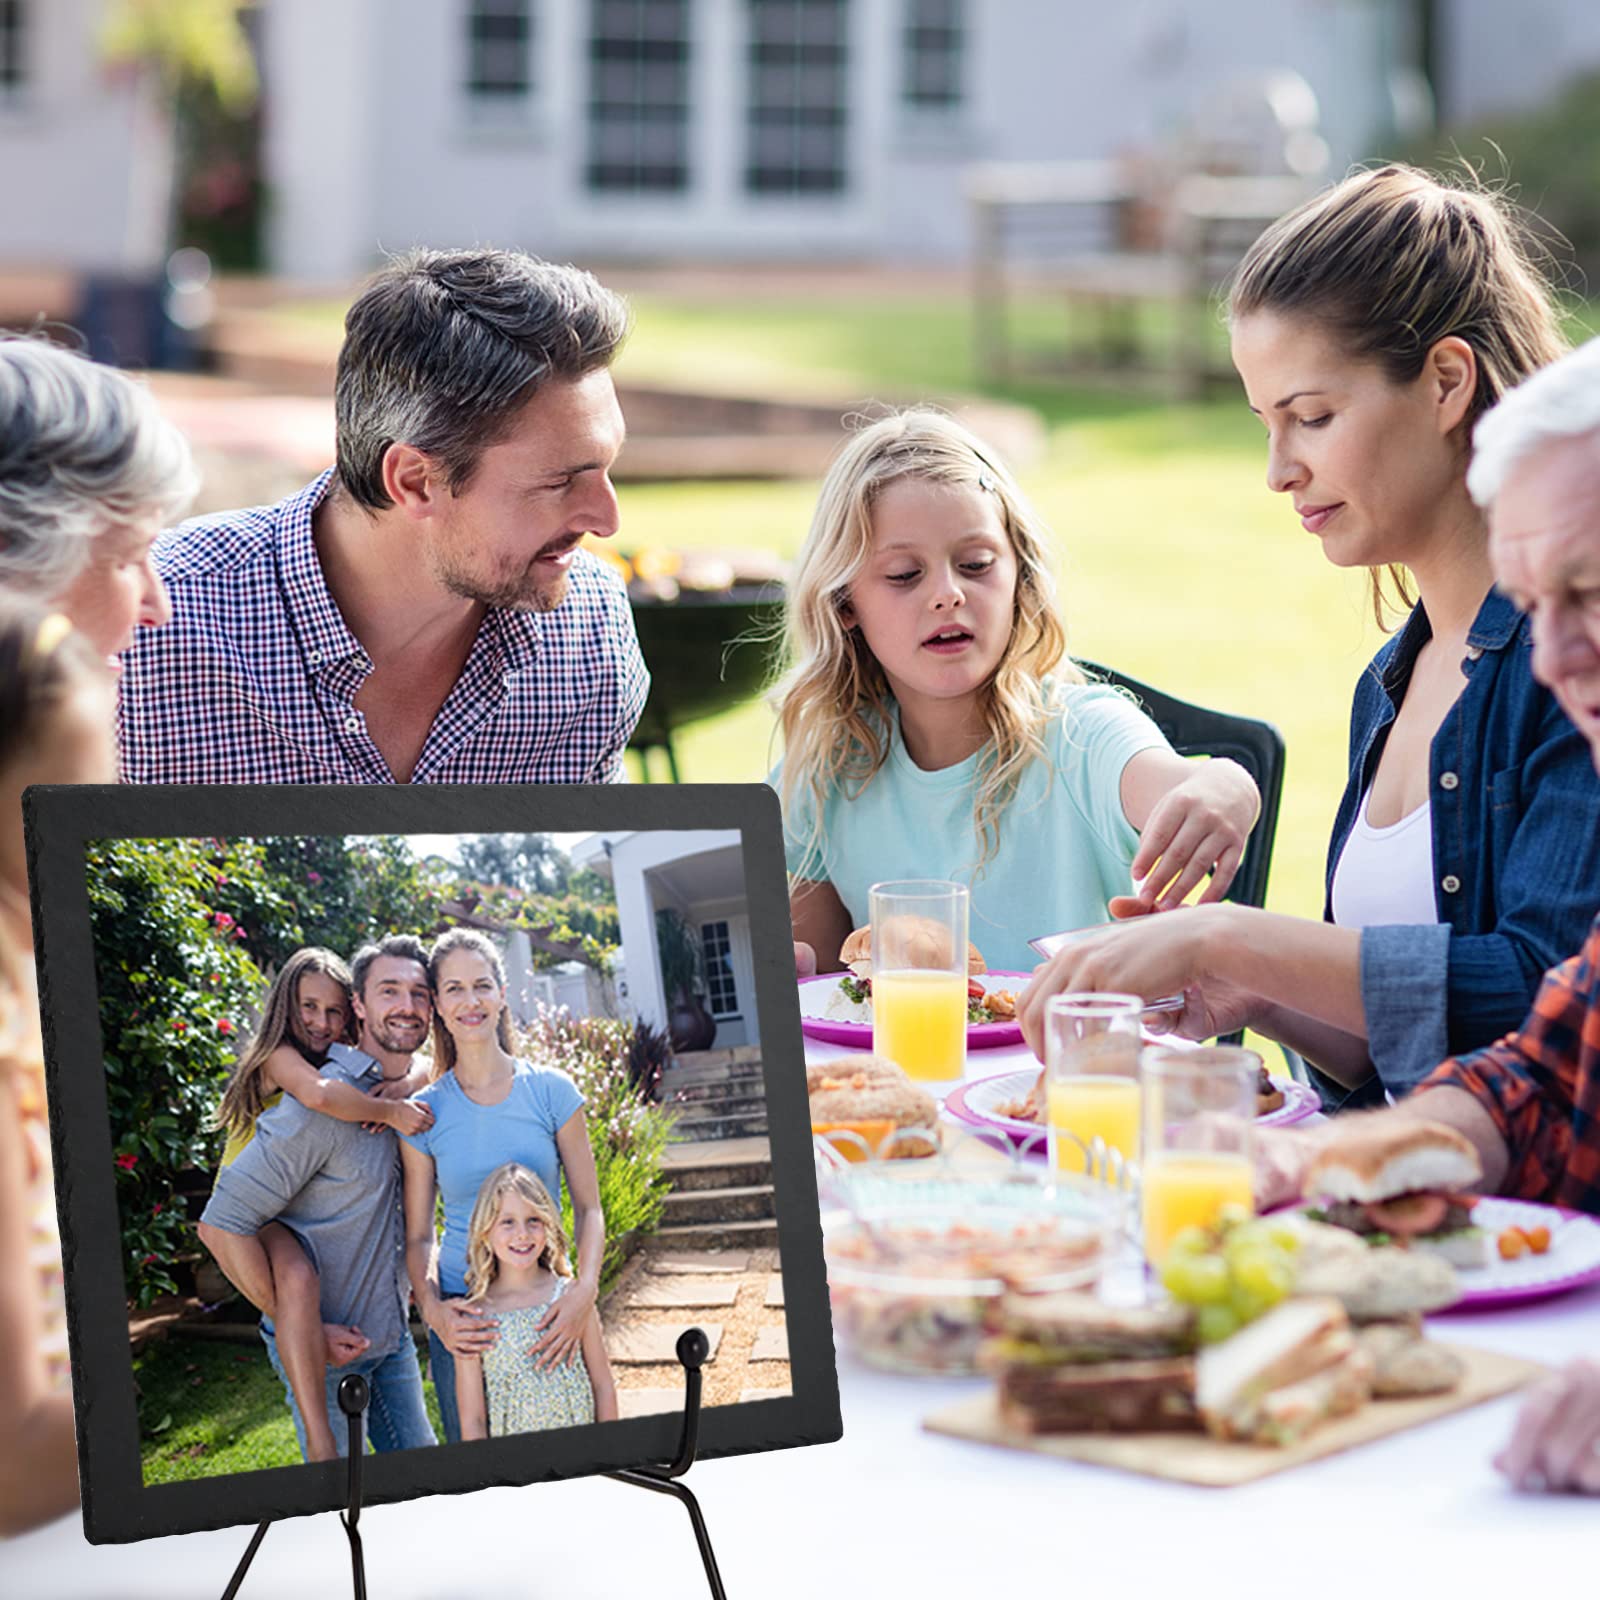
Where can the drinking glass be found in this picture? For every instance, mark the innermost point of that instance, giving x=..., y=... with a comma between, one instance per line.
x=1092, y=1082
x=1199, y=1111
x=919, y=977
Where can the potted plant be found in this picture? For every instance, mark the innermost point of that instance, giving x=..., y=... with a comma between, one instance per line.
x=683, y=978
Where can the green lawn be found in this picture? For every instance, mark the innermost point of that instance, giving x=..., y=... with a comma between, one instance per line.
x=1177, y=565
x=207, y=1408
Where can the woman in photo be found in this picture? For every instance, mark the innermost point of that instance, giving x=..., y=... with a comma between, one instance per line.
x=55, y=727
x=490, y=1108
x=307, y=1009
x=517, y=1269
x=1372, y=328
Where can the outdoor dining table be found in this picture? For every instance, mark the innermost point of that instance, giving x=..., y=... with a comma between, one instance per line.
x=894, y=1510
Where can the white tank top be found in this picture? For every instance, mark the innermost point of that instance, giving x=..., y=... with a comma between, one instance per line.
x=1385, y=875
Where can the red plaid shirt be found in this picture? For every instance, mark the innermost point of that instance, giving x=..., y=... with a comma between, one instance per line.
x=1541, y=1085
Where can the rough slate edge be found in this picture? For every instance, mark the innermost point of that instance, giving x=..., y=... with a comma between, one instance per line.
x=59, y=820
x=1215, y=1464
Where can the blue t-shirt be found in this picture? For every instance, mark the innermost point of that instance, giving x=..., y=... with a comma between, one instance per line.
x=1065, y=845
x=468, y=1141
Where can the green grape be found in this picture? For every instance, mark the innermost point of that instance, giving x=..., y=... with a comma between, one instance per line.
x=1213, y=1324
x=1284, y=1235
x=1264, y=1273
x=1245, y=1305
x=1232, y=1215
x=1195, y=1280
x=1189, y=1242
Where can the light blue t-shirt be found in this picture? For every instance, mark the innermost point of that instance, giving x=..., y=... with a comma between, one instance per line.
x=1065, y=845
x=468, y=1141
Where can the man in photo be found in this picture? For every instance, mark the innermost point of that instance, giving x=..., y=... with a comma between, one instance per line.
x=335, y=1185
x=421, y=612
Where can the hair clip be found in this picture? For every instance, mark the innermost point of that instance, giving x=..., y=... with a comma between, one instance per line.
x=52, y=630
x=986, y=483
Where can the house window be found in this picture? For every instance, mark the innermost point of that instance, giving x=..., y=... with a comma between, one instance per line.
x=499, y=50
x=13, y=40
x=639, y=95
x=796, y=96
x=723, y=991
x=934, y=47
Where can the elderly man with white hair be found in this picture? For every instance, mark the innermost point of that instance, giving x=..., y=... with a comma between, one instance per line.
x=90, y=472
x=1530, y=1103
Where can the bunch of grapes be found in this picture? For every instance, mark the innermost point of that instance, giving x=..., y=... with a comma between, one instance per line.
x=1231, y=1273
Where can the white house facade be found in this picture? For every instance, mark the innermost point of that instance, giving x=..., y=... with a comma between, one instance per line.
x=699, y=874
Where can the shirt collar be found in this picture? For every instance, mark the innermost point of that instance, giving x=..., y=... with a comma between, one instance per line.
x=1496, y=623
x=325, y=638
x=518, y=634
x=1494, y=627
x=356, y=1062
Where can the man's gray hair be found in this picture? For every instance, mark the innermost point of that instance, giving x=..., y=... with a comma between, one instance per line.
x=1561, y=401
x=444, y=347
x=83, y=449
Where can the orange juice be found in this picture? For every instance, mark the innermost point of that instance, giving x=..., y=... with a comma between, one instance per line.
x=919, y=1021
x=1187, y=1188
x=1091, y=1107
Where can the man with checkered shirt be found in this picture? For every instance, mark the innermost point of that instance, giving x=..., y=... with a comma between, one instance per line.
x=422, y=612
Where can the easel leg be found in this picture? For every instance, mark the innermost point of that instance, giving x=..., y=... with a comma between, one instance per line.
x=244, y=1564
x=702, y=1535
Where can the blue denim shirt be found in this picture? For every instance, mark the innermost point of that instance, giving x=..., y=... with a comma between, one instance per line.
x=1516, y=853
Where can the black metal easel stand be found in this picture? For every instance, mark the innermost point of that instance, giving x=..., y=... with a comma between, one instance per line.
x=354, y=1396
x=693, y=1348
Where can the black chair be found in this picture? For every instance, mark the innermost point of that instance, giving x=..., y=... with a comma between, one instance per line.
x=1198, y=731
x=1257, y=746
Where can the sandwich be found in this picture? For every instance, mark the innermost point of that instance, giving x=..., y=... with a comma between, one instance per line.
x=1066, y=1363
x=925, y=944
x=1276, y=1379
x=874, y=1103
x=1396, y=1181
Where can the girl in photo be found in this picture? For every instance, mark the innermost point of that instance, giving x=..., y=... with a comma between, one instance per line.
x=517, y=1268
x=308, y=1009
x=934, y=726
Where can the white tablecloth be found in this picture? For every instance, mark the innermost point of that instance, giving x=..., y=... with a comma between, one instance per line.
x=892, y=1510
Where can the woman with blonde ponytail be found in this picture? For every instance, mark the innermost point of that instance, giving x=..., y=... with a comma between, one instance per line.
x=934, y=726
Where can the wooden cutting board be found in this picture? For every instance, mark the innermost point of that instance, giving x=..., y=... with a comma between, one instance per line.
x=1214, y=1463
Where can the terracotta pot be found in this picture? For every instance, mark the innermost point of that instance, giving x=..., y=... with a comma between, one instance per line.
x=690, y=1026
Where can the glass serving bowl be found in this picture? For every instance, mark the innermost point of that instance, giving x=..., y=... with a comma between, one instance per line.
x=920, y=1252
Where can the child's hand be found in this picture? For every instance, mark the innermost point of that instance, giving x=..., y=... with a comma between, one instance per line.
x=344, y=1345
x=805, y=960
x=1199, y=826
x=561, y=1327
x=409, y=1116
x=1556, y=1442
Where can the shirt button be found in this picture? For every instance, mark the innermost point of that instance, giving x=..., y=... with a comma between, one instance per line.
x=1450, y=883
x=1448, y=780
x=352, y=724
x=1474, y=651
x=314, y=657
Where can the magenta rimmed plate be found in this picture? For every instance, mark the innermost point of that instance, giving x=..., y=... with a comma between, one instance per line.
x=858, y=1035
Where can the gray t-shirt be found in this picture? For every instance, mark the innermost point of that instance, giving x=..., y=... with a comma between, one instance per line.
x=337, y=1188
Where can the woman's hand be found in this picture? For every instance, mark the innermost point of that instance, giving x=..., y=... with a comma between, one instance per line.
x=1556, y=1441
x=464, y=1329
x=1198, y=827
x=561, y=1327
x=1150, y=957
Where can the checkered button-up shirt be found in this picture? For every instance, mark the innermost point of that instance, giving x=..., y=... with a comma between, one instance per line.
x=1541, y=1085
x=254, y=680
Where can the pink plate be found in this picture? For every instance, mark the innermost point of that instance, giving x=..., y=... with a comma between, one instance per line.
x=858, y=1035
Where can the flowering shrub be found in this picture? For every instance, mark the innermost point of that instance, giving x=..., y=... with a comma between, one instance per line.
x=628, y=1135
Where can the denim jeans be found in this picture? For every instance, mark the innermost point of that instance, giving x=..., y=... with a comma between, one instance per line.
x=397, y=1416
x=442, y=1369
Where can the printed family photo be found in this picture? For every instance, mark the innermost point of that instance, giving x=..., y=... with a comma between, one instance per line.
x=480, y=1118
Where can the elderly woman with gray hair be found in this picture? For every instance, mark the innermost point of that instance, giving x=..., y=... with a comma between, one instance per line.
x=90, y=472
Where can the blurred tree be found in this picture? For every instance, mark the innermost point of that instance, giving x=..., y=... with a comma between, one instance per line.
x=528, y=861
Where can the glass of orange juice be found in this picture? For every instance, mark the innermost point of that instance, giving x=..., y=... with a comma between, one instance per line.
x=1199, y=1110
x=919, y=977
x=1092, y=1080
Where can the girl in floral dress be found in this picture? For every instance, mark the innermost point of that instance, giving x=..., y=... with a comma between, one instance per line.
x=517, y=1268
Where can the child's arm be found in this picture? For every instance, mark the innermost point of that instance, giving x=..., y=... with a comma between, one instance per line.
x=288, y=1070
x=599, y=1365
x=1193, y=818
x=471, y=1402
x=821, y=921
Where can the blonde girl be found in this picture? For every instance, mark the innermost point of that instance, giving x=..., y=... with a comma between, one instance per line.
x=517, y=1268
x=308, y=1009
x=934, y=726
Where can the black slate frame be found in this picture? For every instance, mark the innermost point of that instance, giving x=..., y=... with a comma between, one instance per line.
x=117, y=1507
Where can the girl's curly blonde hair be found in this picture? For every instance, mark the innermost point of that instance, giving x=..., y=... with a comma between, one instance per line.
x=512, y=1178
x=833, y=700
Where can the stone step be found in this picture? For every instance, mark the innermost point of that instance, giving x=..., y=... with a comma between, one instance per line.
x=712, y=1078
x=719, y=1128
x=732, y=1105
x=756, y=1235
x=720, y=1205
x=729, y=1175
x=698, y=1094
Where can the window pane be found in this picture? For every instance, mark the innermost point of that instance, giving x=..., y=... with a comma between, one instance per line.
x=797, y=96
x=499, y=49
x=13, y=21
x=934, y=47
x=638, y=115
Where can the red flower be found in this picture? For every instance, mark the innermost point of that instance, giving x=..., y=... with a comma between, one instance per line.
x=157, y=1209
x=223, y=1025
x=313, y=877
x=180, y=1026
x=127, y=1163
x=148, y=1261
x=224, y=921
x=238, y=933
